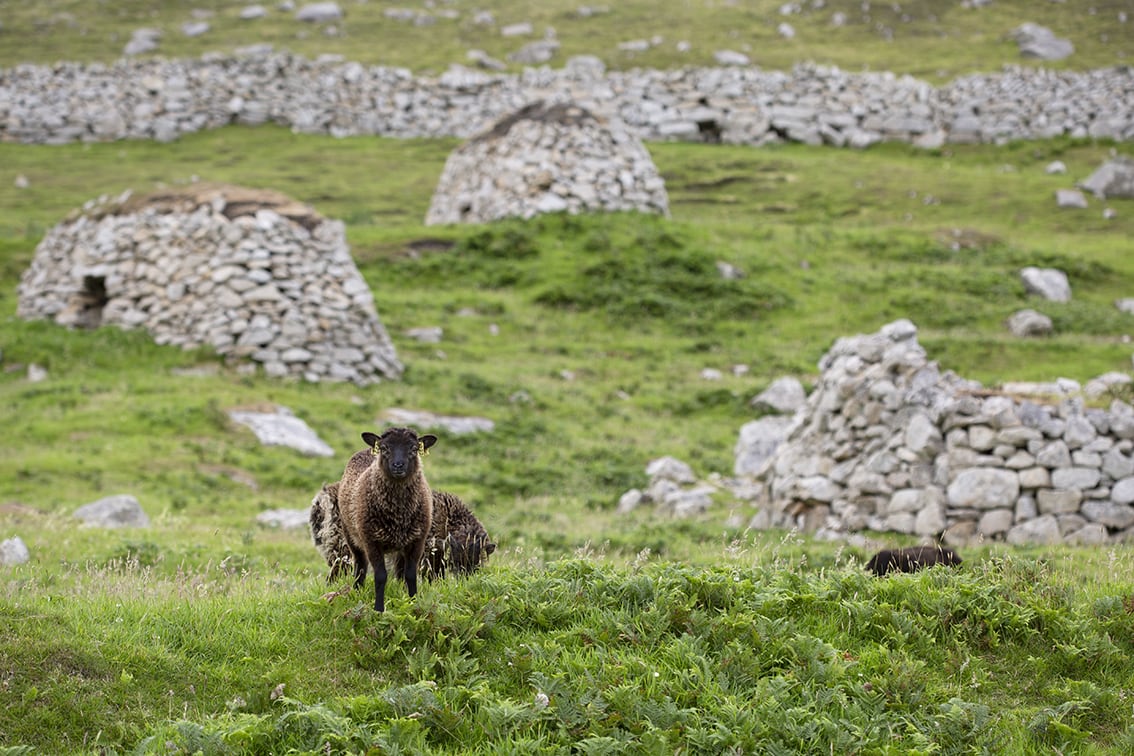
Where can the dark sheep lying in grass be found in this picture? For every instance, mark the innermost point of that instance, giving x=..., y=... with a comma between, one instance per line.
x=911, y=559
x=327, y=530
x=386, y=506
x=457, y=544
x=457, y=540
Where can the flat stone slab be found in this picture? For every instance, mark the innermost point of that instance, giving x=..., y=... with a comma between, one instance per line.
x=283, y=428
x=457, y=425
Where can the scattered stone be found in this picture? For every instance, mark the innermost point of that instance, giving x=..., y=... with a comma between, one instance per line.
x=195, y=28
x=36, y=373
x=21, y=182
x=1037, y=41
x=283, y=428
x=730, y=58
x=484, y=60
x=1055, y=167
x=1125, y=305
x=521, y=29
x=13, y=551
x=142, y=41
x=1049, y=283
x=785, y=396
x=454, y=424
x=1027, y=323
x=535, y=53
x=251, y=12
x=426, y=334
x=121, y=511
x=1070, y=198
x=285, y=519
x=670, y=468
x=1114, y=178
x=319, y=13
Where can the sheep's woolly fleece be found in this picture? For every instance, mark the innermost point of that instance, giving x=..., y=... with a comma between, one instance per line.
x=458, y=542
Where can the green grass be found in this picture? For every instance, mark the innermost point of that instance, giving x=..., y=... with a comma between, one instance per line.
x=949, y=39
x=584, y=339
x=180, y=634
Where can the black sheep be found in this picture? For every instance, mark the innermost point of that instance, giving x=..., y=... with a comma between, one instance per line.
x=386, y=506
x=911, y=559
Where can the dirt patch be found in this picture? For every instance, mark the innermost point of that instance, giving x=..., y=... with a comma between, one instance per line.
x=232, y=201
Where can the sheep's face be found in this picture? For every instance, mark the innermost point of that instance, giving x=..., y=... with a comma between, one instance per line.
x=398, y=450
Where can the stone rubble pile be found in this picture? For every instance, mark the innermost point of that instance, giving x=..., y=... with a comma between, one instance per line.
x=249, y=273
x=547, y=158
x=888, y=442
x=164, y=99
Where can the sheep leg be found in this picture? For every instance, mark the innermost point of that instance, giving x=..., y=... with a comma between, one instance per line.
x=413, y=559
x=379, y=582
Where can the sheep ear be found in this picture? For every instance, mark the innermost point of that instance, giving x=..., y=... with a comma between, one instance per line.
x=427, y=440
x=371, y=439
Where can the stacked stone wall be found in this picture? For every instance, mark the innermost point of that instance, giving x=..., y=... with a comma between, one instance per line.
x=888, y=442
x=164, y=99
x=281, y=292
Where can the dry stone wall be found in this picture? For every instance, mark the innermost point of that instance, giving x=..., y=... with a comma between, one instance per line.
x=887, y=441
x=163, y=99
x=252, y=274
x=547, y=158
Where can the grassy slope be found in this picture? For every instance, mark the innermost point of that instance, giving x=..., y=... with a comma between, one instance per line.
x=109, y=636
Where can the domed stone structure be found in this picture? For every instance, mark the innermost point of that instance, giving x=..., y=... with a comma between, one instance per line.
x=251, y=273
x=547, y=158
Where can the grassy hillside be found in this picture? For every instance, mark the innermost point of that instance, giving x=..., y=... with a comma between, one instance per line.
x=182, y=632
x=932, y=39
x=584, y=339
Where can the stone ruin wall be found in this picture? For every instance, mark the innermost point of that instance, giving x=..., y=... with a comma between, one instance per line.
x=888, y=442
x=249, y=273
x=547, y=158
x=163, y=99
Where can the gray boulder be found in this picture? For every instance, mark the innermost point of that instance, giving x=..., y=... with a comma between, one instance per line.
x=730, y=58
x=142, y=41
x=283, y=428
x=454, y=424
x=284, y=519
x=1049, y=283
x=784, y=395
x=535, y=53
x=13, y=552
x=319, y=13
x=1070, y=198
x=1114, y=178
x=1037, y=41
x=1025, y=323
x=122, y=511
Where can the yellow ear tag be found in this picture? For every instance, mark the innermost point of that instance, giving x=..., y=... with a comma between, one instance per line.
x=421, y=450
x=374, y=450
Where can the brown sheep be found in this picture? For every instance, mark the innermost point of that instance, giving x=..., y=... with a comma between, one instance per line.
x=457, y=541
x=911, y=559
x=387, y=507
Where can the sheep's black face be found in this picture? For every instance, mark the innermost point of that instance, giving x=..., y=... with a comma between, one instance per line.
x=398, y=450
